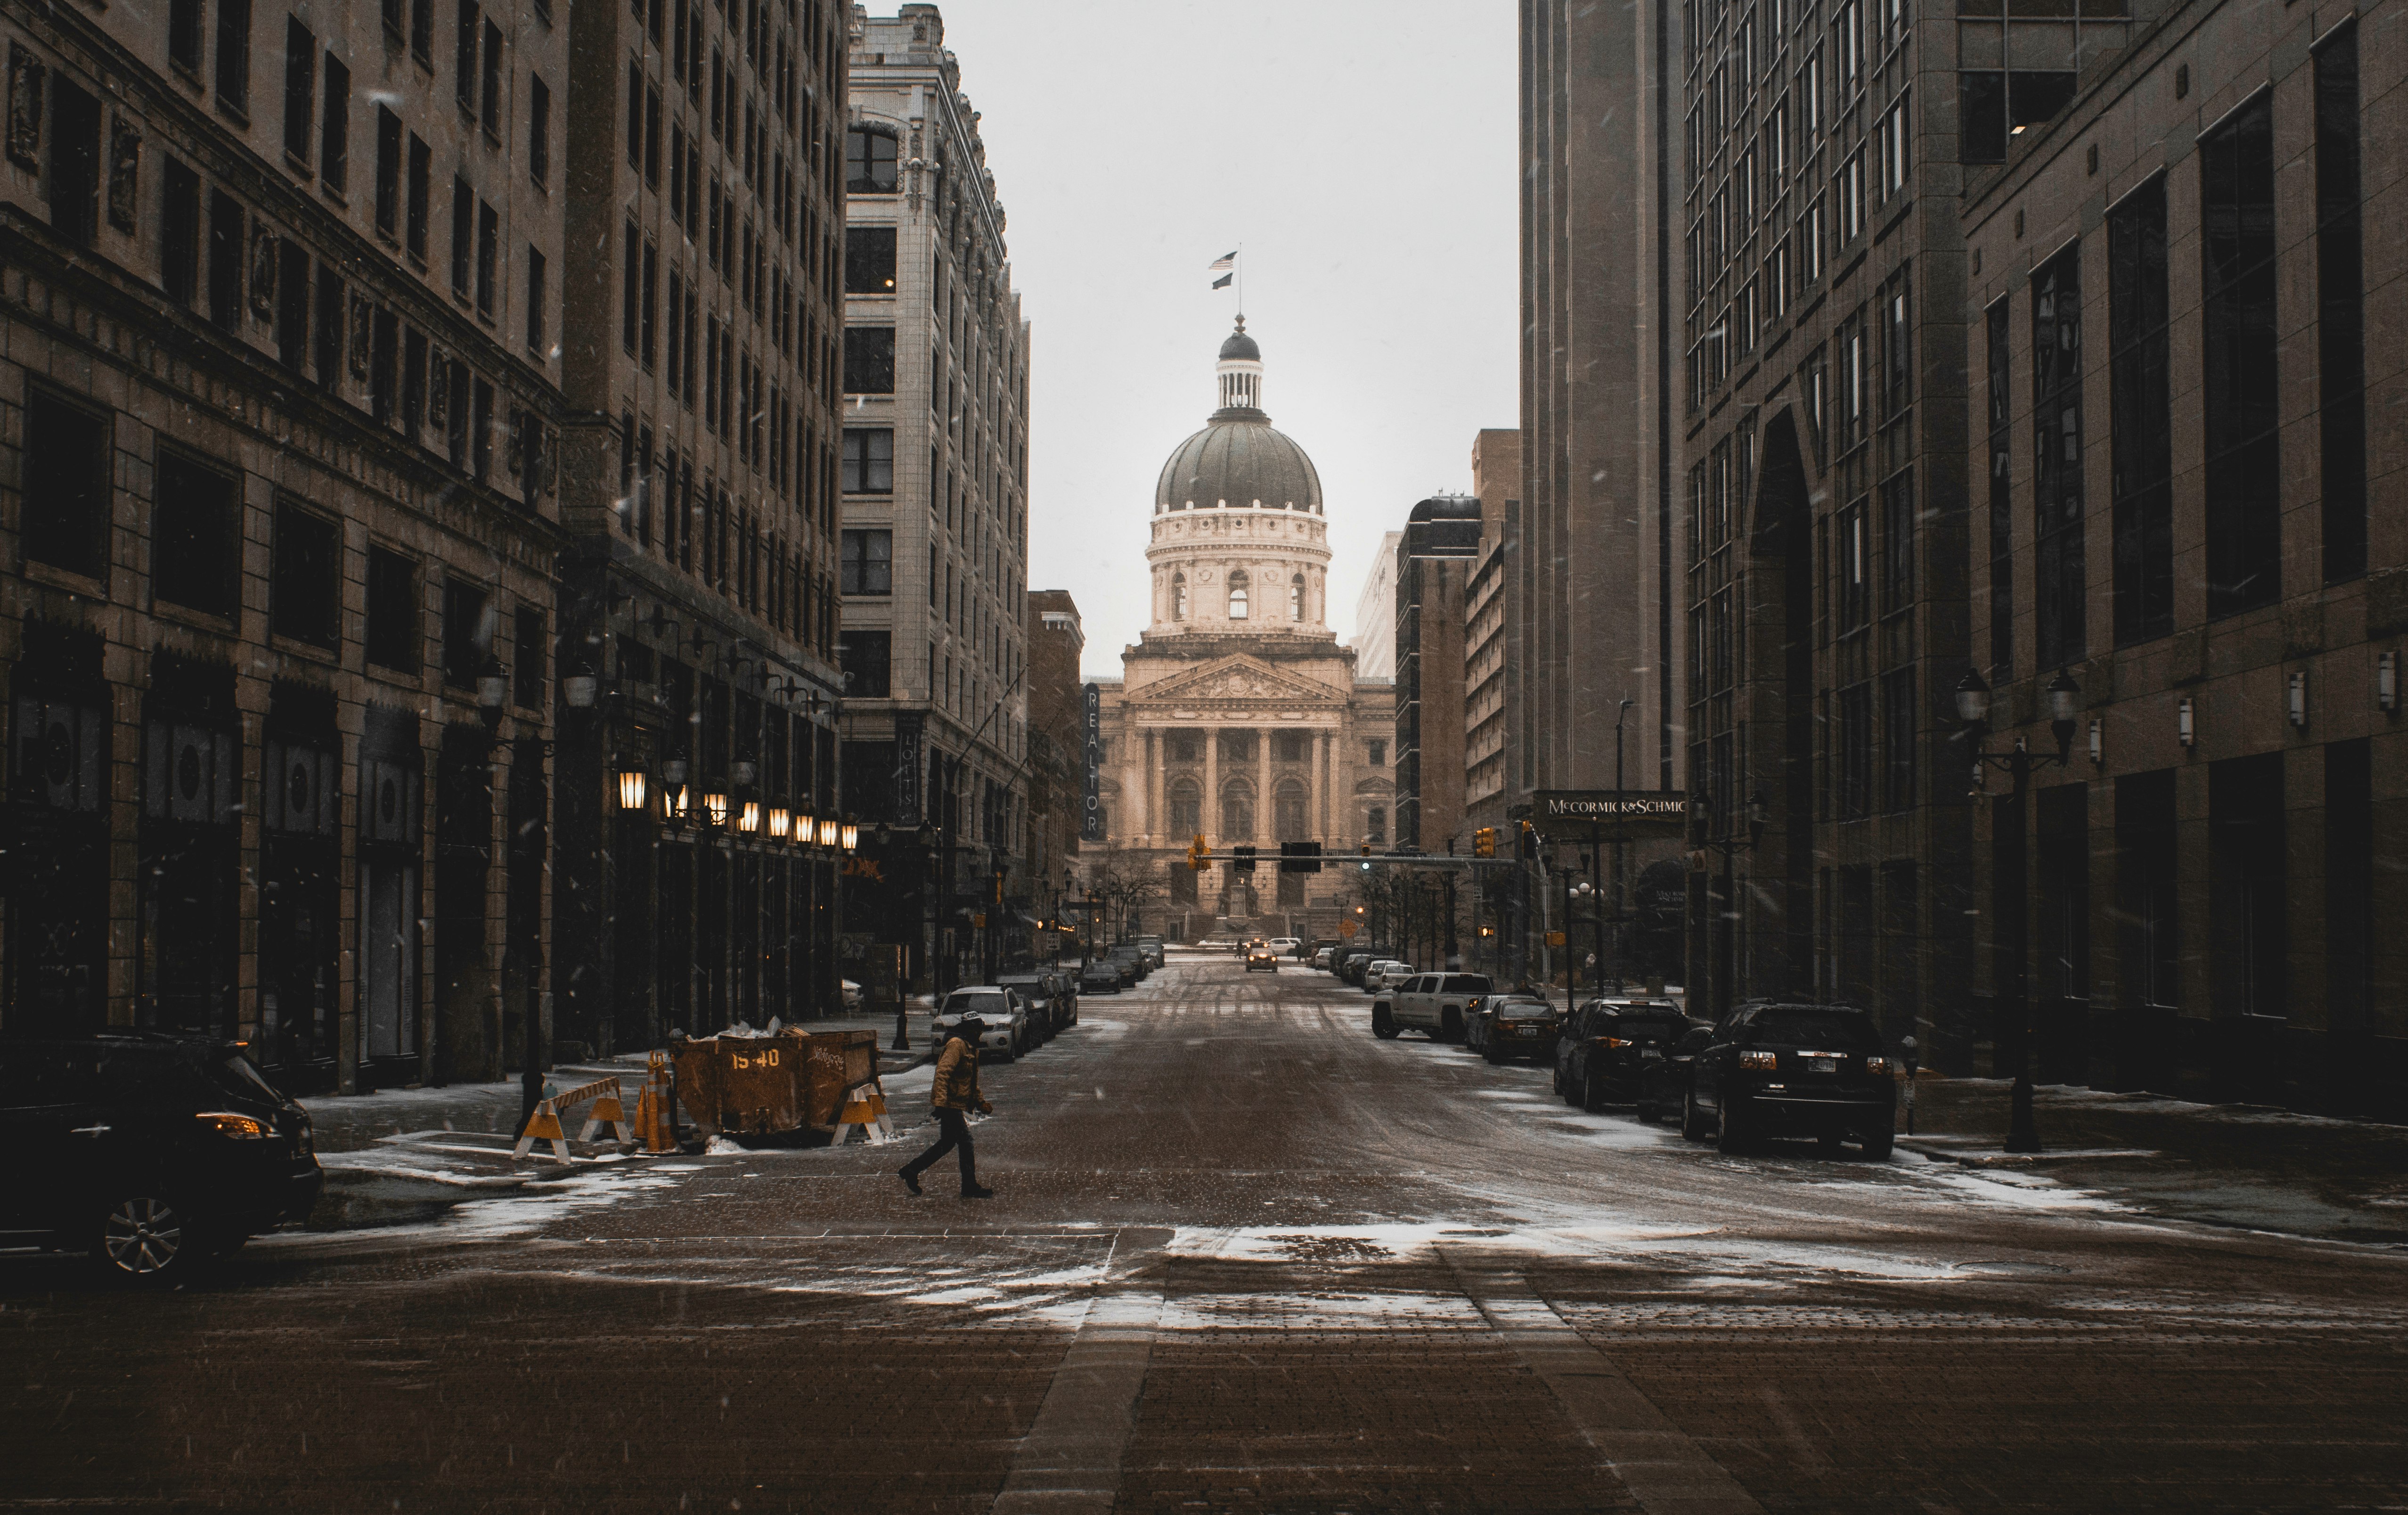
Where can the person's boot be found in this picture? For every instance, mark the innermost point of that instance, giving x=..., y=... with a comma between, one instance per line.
x=911, y=1179
x=977, y=1190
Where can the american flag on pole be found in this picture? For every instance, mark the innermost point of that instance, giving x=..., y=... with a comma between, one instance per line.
x=1225, y=265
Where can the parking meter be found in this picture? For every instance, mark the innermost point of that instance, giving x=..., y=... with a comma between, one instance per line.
x=1912, y=1057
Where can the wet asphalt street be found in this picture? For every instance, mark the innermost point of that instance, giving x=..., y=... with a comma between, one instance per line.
x=1244, y=1257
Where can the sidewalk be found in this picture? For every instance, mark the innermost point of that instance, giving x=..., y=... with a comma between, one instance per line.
x=2247, y=1166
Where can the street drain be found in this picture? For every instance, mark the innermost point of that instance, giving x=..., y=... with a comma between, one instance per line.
x=1331, y=1248
x=2002, y=1269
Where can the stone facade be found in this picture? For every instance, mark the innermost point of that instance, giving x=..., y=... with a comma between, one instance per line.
x=704, y=203
x=936, y=652
x=280, y=522
x=1057, y=763
x=2193, y=516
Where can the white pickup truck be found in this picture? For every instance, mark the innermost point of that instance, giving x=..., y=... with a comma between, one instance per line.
x=1436, y=1003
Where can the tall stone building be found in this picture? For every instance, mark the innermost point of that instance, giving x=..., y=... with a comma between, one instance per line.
x=1496, y=786
x=2189, y=534
x=1057, y=751
x=936, y=506
x=276, y=604
x=703, y=189
x=1434, y=556
x=1239, y=715
x=1374, y=641
x=1825, y=483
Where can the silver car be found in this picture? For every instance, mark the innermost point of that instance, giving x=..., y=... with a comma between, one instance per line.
x=1003, y=1011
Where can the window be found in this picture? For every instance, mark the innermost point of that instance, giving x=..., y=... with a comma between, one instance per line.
x=305, y=577
x=489, y=92
x=467, y=633
x=195, y=529
x=867, y=564
x=1375, y=826
x=650, y=303
x=868, y=161
x=2341, y=308
x=392, y=637
x=464, y=67
x=1376, y=753
x=335, y=132
x=234, y=56
x=1183, y=746
x=2057, y=459
x=184, y=34
x=421, y=190
x=421, y=31
x=527, y=648
x=75, y=163
x=631, y=291
x=463, y=232
x=1237, y=811
x=388, y=183
x=865, y=659
x=300, y=90
x=2002, y=555
x=1856, y=768
x=488, y=258
x=1897, y=739
x=2236, y=165
x=539, y=129
x=869, y=360
x=869, y=260
x=1897, y=542
x=1896, y=148
x=226, y=260
x=1997, y=106
x=1296, y=598
x=291, y=303
x=328, y=356
x=65, y=494
x=1178, y=595
x=180, y=234
x=1238, y=588
x=868, y=460
x=2141, y=417
x=1897, y=348
x=1852, y=569
x=535, y=297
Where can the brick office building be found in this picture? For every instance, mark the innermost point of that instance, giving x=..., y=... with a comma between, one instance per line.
x=1057, y=751
x=1434, y=556
x=279, y=524
x=2191, y=525
x=704, y=249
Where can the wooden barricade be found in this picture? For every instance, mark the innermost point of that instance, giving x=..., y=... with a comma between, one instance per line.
x=545, y=1124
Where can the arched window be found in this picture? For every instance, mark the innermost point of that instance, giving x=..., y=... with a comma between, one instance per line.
x=1237, y=594
x=1178, y=596
x=1187, y=808
x=1237, y=811
x=1288, y=811
x=868, y=161
x=1296, y=598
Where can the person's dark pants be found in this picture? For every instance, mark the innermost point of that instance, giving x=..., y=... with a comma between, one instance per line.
x=956, y=1125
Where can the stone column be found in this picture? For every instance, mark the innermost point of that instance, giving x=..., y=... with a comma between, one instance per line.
x=1265, y=831
x=1208, y=814
x=1157, y=801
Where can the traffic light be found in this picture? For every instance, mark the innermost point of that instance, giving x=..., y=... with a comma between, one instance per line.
x=1244, y=861
x=1199, y=855
x=1299, y=858
x=1484, y=842
x=1529, y=841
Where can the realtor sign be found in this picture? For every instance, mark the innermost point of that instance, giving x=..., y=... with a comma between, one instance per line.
x=1091, y=721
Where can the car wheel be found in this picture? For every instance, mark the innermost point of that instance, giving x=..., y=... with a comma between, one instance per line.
x=1568, y=1085
x=1451, y=1025
x=1383, y=1023
x=1879, y=1144
x=1693, y=1122
x=147, y=1239
x=1592, y=1092
x=1731, y=1131
x=1559, y=1079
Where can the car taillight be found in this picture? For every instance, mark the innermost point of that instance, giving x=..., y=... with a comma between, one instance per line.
x=242, y=1127
x=1616, y=1041
x=1877, y=1065
x=1765, y=1061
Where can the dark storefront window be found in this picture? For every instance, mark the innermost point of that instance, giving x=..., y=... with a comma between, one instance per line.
x=195, y=524
x=65, y=494
x=2244, y=528
x=299, y=939
x=192, y=777
x=2247, y=922
x=2143, y=442
x=55, y=971
x=2150, y=951
x=2341, y=308
x=2057, y=582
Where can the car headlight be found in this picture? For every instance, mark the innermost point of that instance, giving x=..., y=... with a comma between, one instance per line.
x=1765, y=1061
x=242, y=1127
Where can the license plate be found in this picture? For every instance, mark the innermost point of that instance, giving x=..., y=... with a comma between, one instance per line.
x=1821, y=1065
x=1526, y=1030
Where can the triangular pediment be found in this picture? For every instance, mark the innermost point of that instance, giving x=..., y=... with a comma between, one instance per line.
x=1238, y=680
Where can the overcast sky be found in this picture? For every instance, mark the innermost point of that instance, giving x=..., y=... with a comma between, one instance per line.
x=1363, y=151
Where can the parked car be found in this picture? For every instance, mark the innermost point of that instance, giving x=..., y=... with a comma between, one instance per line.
x=1262, y=957
x=1285, y=945
x=1607, y=1045
x=1387, y=974
x=1132, y=961
x=1794, y=1070
x=1003, y=1011
x=1664, y=1084
x=1509, y=1026
x=1101, y=977
x=1321, y=956
x=1155, y=953
x=1352, y=965
x=1065, y=996
x=1440, y=1004
x=1037, y=992
x=851, y=993
x=154, y=1153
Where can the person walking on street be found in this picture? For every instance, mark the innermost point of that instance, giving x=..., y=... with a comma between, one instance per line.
x=956, y=1094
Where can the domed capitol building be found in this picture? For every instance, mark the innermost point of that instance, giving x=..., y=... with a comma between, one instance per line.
x=1238, y=714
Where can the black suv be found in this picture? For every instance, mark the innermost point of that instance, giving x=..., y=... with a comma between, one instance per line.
x=1607, y=1048
x=151, y=1152
x=1794, y=1070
